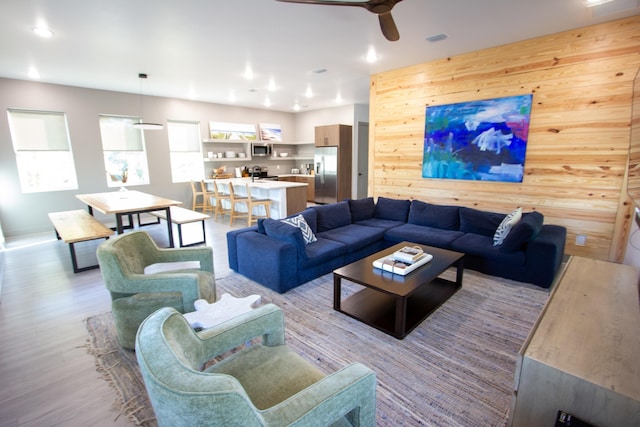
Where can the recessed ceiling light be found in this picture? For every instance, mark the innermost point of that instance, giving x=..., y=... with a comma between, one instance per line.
x=372, y=56
x=33, y=73
x=248, y=73
x=319, y=70
x=43, y=32
x=309, y=92
x=267, y=102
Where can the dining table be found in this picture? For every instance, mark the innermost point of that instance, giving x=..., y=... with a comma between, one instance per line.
x=128, y=202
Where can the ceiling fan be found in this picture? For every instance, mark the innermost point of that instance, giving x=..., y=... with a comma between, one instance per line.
x=382, y=8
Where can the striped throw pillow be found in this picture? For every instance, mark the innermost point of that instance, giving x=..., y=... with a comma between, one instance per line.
x=299, y=221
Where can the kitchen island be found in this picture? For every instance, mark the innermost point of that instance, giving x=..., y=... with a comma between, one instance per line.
x=287, y=198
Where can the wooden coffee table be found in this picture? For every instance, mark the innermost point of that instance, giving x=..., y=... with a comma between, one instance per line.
x=393, y=303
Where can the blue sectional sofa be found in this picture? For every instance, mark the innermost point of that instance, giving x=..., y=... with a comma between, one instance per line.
x=284, y=254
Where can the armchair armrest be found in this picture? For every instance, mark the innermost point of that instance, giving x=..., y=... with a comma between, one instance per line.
x=266, y=321
x=351, y=391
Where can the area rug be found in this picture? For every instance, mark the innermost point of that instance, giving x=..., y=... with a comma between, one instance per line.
x=455, y=369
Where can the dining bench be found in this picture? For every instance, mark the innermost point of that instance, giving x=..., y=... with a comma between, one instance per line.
x=182, y=216
x=78, y=226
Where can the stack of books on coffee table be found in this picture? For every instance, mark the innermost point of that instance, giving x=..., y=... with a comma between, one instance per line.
x=404, y=260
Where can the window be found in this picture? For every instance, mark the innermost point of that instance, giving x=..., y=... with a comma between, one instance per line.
x=185, y=150
x=43, y=150
x=125, y=158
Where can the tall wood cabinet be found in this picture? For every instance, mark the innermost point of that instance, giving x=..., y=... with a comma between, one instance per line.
x=338, y=136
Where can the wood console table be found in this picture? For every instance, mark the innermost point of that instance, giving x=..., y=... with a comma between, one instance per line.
x=582, y=356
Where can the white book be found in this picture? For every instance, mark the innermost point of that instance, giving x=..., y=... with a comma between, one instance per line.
x=409, y=253
x=393, y=265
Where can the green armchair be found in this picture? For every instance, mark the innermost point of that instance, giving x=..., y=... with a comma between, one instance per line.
x=262, y=384
x=135, y=295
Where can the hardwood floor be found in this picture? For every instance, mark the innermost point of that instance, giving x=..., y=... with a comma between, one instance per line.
x=47, y=378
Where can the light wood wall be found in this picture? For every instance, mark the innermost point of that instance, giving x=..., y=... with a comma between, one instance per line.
x=577, y=152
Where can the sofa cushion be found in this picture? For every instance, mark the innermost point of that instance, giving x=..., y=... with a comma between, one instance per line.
x=506, y=225
x=423, y=235
x=299, y=222
x=395, y=210
x=361, y=209
x=436, y=216
x=524, y=231
x=354, y=236
x=482, y=247
x=332, y=216
x=309, y=215
x=321, y=251
x=479, y=222
x=381, y=223
x=286, y=233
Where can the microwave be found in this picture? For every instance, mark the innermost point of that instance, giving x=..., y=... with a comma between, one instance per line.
x=261, y=150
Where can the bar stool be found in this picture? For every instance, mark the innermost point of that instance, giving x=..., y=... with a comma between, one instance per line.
x=206, y=197
x=220, y=195
x=235, y=199
x=255, y=202
x=194, y=204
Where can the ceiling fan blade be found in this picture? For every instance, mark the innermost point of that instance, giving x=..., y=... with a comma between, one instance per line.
x=388, y=27
x=329, y=2
x=382, y=8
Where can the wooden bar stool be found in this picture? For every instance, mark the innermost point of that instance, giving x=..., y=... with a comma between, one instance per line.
x=235, y=200
x=220, y=195
x=254, y=202
x=194, y=204
x=206, y=197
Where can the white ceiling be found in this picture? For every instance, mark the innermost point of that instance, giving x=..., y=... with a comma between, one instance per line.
x=198, y=49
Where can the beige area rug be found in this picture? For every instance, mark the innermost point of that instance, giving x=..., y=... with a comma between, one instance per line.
x=455, y=369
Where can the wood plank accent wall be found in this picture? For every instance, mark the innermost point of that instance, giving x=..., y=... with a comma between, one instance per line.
x=578, y=148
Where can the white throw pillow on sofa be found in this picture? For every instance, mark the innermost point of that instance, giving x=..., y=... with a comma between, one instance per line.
x=506, y=225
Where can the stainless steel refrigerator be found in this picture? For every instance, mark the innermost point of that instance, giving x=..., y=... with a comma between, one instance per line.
x=326, y=170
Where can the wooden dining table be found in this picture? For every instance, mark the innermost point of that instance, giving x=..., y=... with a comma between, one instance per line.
x=127, y=203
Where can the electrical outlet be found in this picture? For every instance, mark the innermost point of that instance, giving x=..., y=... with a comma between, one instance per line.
x=581, y=240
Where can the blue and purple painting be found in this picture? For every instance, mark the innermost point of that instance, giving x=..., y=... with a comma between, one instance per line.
x=479, y=140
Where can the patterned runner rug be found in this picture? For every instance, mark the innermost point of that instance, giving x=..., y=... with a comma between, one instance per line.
x=455, y=369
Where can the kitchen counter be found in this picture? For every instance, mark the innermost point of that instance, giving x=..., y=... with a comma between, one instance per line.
x=303, y=175
x=286, y=197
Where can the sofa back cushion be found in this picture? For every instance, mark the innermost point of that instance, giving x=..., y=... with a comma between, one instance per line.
x=332, y=216
x=309, y=215
x=479, y=222
x=435, y=216
x=286, y=233
x=361, y=209
x=524, y=231
x=392, y=209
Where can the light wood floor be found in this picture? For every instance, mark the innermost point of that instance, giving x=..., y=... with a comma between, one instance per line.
x=46, y=376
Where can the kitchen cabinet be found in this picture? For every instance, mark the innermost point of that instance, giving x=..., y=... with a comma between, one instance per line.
x=582, y=355
x=307, y=179
x=332, y=135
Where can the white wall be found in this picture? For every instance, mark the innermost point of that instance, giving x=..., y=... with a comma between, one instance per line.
x=27, y=213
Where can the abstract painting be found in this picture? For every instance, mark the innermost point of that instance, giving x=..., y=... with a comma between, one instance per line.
x=482, y=140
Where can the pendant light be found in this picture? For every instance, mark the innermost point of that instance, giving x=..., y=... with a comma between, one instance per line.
x=145, y=125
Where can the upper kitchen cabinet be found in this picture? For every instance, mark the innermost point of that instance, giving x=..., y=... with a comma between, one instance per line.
x=333, y=135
